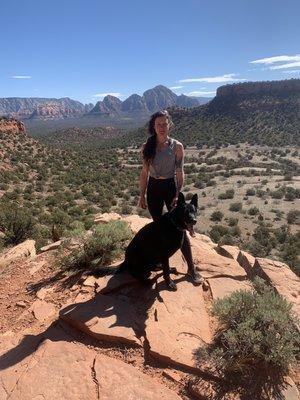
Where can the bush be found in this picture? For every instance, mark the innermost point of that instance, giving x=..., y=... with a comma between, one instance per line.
x=217, y=231
x=229, y=194
x=256, y=343
x=16, y=223
x=235, y=207
x=226, y=239
x=293, y=217
x=216, y=216
x=101, y=248
x=250, y=192
x=233, y=221
x=253, y=211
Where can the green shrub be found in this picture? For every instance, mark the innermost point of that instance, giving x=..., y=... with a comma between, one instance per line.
x=253, y=211
x=250, y=192
x=16, y=223
x=101, y=248
x=235, y=207
x=277, y=194
x=293, y=217
x=226, y=239
x=216, y=216
x=217, y=231
x=229, y=194
x=232, y=221
x=256, y=343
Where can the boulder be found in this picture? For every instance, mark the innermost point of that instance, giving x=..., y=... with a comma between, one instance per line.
x=51, y=246
x=136, y=223
x=212, y=264
x=22, y=251
x=282, y=278
x=106, y=217
x=42, y=310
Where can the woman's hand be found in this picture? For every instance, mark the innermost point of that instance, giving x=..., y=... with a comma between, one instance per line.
x=142, y=202
x=174, y=201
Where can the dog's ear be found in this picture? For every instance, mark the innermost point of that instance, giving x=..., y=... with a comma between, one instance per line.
x=181, y=199
x=194, y=200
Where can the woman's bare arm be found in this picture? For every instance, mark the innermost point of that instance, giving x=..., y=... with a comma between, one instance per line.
x=179, y=154
x=144, y=175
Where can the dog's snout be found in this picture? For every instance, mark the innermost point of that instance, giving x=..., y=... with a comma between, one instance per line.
x=194, y=221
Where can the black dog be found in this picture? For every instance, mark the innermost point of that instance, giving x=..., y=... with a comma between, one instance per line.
x=157, y=241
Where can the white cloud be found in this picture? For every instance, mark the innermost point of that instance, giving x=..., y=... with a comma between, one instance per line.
x=176, y=87
x=272, y=60
x=21, y=77
x=107, y=94
x=289, y=65
x=214, y=79
x=198, y=93
x=292, y=71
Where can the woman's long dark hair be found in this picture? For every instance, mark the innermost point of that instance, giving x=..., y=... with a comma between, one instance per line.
x=150, y=146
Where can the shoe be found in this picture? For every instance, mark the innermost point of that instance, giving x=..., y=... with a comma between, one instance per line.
x=197, y=278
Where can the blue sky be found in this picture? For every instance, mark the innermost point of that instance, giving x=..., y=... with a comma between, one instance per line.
x=85, y=49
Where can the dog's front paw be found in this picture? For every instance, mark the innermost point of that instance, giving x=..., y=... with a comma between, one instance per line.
x=173, y=270
x=172, y=286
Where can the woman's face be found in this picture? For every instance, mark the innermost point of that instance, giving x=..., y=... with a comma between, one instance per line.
x=162, y=126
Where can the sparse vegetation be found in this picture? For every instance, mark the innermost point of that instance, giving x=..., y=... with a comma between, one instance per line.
x=99, y=248
x=256, y=332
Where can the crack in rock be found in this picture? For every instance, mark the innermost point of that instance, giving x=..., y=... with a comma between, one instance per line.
x=25, y=371
x=95, y=379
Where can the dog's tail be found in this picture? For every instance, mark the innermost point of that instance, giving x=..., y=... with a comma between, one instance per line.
x=102, y=271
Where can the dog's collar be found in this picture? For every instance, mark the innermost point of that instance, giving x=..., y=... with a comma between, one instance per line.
x=176, y=226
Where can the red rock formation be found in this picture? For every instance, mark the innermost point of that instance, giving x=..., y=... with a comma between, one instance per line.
x=11, y=125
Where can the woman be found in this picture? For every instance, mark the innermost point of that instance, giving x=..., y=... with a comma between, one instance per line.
x=162, y=176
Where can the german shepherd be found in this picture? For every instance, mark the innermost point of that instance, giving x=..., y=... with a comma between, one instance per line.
x=157, y=241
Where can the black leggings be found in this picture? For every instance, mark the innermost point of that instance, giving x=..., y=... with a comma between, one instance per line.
x=160, y=192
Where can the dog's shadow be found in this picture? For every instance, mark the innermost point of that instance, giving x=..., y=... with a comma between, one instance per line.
x=123, y=302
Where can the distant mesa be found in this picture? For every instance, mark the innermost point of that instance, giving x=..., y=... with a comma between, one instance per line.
x=35, y=108
x=265, y=113
x=42, y=108
x=158, y=98
x=264, y=88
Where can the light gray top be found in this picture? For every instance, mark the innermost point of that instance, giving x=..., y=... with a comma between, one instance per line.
x=163, y=164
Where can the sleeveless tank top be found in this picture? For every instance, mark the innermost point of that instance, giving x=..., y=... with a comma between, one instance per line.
x=163, y=164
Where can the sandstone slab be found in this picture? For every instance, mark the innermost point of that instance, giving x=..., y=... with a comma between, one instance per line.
x=57, y=370
x=178, y=324
x=112, y=283
x=68, y=371
x=228, y=251
x=118, y=380
x=212, y=264
x=222, y=287
x=246, y=260
x=104, y=317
